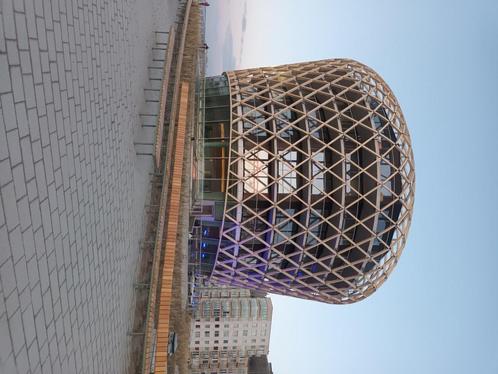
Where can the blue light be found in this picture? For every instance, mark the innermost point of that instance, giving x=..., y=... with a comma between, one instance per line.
x=203, y=245
x=203, y=255
x=205, y=232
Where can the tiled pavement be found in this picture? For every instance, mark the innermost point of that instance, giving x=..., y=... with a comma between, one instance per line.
x=72, y=189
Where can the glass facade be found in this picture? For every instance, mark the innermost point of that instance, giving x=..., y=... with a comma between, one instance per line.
x=309, y=177
x=216, y=153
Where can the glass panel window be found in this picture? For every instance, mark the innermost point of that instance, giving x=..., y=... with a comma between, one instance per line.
x=216, y=130
x=256, y=171
x=286, y=171
x=318, y=187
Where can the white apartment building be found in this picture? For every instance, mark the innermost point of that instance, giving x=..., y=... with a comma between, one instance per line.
x=229, y=326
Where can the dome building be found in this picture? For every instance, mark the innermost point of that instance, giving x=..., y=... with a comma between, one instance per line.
x=308, y=180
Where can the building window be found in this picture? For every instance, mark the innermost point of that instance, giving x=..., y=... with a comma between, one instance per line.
x=286, y=171
x=256, y=171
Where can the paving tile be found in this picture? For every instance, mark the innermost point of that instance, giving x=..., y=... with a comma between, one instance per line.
x=22, y=32
x=34, y=357
x=3, y=308
x=5, y=84
x=32, y=265
x=22, y=361
x=27, y=159
x=4, y=150
x=17, y=87
x=7, y=277
x=47, y=162
x=34, y=51
x=28, y=243
x=9, y=113
x=41, y=181
x=9, y=205
x=16, y=245
x=44, y=274
x=5, y=341
x=40, y=245
x=29, y=325
x=36, y=221
x=22, y=117
x=18, y=6
x=46, y=219
x=24, y=213
x=25, y=299
x=14, y=147
x=9, y=365
x=8, y=19
x=30, y=19
x=41, y=331
x=47, y=13
x=4, y=240
x=12, y=53
x=48, y=309
x=37, y=150
x=3, y=47
x=38, y=6
x=25, y=62
x=5, y=172
x=40, y=100
x=16, y=331
x=21, y=272
x=19, y=182
x=44, y=130
x=45, y=63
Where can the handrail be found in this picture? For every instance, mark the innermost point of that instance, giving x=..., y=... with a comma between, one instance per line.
x=150, y=324
x=164, y=96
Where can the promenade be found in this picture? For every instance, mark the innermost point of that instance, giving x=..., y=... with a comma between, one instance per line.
x=72, y=187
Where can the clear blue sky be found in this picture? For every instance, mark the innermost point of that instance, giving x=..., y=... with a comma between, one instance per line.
x=438, y=312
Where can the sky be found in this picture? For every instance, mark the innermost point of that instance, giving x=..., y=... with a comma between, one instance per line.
x=438, y=311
